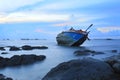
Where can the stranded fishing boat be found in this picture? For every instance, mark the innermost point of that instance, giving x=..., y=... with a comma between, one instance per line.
x=72, y=37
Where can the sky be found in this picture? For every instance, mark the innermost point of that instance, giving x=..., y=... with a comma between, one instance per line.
x=44, y=19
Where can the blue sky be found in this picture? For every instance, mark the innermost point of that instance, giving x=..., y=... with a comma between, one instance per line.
x=46, y=18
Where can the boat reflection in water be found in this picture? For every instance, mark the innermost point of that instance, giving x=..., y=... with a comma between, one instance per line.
x=72, y=37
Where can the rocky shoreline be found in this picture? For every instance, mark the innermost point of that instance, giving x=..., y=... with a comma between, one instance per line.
x=24, y=47
x=79, y=69
x=3, y=77
x=18, y=60
x=86, y=69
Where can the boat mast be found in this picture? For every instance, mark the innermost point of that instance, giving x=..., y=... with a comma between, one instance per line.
x=89, y=27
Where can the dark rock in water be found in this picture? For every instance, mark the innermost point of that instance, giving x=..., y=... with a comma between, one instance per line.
x=2, y=77
x=39, y=58
x=84, y=69
x=99, y=53
x=14, y=61
x=114, y=51
x=109, y=39
x=91, y=51
x=96, y=53
x=3, y=62
x=116, y=67
x=20, y=60
x=4, y=53
x=40, y=47
x=13, y=48
x=81, y=53
x=28, y=59
x=8, y=46
x=114, y=62
x=2, y=49
x=27, y=47
x=113, y=59
x=87, y=52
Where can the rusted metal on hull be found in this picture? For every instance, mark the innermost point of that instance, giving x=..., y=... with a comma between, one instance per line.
x=71, y=38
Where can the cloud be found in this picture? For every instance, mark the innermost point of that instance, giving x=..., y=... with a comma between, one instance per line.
x=38, y=30
x=48, y=11
x=6, y=5
x=81, y=19
x=67, y=4
x=46, y=32
x=107, y=29
x=63, y=24
x=32, y=17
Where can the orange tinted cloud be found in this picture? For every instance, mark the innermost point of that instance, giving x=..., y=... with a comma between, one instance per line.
x=107, y=29
x=38, y=30
x=64, y=24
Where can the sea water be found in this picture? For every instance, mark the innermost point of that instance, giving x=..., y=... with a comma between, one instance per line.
x=54, y=55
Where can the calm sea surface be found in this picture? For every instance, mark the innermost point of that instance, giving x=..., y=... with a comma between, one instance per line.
x=54, y=55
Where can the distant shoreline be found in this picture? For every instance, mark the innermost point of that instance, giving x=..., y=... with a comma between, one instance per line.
x=47, y=39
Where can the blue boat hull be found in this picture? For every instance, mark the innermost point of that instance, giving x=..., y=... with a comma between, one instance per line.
x=71, y=38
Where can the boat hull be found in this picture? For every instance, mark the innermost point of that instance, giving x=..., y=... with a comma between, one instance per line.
x=71, y=38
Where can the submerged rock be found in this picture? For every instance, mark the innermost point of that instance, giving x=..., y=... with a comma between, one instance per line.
x=84, y=69
x=2, y=49
x=4, y=53
x=114, y=62
x=40, y=47
x=20, y=60
x=116, y=67
x=27, y=47
x=87, y=52
x=114, y=51
x=13, y=48
x=2, y=77
x=81, y=53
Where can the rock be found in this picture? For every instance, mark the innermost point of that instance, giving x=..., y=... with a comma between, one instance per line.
x=113, y=59
x=91, y=51
x=26, y=47
x=2, y=77
x=114, y=62
x=109, y=39
x=97, y=53
x=17, y=60
x=14, y=61
x=2, y=49
x=41, y=57
x=13, y=48
x=114, y=51
x=28, y=59
x=4, y=53
x=116, y=67
x=81, y=53
x=84, y=69
x=3, y=62
x=40, y=47
x=87, y=52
